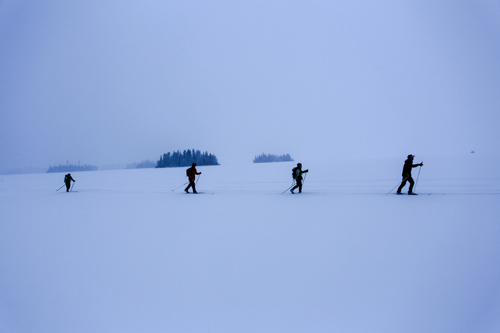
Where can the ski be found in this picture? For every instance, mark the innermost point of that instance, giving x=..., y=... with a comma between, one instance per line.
x=412, y=194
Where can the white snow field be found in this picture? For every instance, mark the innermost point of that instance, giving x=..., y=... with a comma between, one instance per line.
x=125, y=253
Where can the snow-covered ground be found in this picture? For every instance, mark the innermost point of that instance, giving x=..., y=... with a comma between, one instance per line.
x=125, y=253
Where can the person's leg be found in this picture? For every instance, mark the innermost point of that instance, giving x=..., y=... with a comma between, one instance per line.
x=68, y=185
x=403, y=183
x=410, y=180
x=191, y=184
x=299, y=183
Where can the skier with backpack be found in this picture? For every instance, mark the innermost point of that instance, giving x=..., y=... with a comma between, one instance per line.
x=407, y=174
x=67, y=181
x=297, y=175
x=191, y=173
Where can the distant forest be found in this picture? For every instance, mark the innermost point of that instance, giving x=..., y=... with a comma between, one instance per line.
x=272, y=158
x=143, y=164
x=71, y=168
x=186, y=158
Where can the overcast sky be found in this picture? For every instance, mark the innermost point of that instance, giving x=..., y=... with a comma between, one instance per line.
x=105, y=82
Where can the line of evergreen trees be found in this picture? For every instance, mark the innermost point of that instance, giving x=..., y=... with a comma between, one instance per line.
x=71, y=168
x=186, y=158
x=142, y=165
x=263, y=158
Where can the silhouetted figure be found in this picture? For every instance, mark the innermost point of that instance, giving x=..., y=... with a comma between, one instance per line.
x=407, y=174
x=67, y=181
x=191, y=173
x=297, y=175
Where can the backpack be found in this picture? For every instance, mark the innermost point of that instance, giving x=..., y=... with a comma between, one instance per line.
x=294, y=173
x=66, y=178
x=188, y=171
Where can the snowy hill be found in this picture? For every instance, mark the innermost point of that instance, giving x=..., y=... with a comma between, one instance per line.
x=125, y=253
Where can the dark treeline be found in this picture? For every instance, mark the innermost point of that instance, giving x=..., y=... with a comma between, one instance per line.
x=71, y=168
x=272, y=158
x=186, y=158
x=143, y=164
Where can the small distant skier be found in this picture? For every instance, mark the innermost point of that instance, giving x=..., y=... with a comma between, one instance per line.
x=191, y=173
x=297, y=175
x=67, y=181
x=407, y=174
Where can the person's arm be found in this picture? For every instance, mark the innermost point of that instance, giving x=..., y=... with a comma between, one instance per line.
x=305, y=171
x=416, y=165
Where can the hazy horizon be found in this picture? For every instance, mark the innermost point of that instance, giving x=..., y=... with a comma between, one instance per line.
x=121, y=82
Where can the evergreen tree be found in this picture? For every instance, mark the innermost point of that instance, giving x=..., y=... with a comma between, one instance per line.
x=186, y=158
x=71, y=168
x=263, y=158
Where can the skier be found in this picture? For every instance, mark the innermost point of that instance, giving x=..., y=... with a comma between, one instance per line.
x=191, y=173
x=407, y=174
x=67, y=181
x=297, y=175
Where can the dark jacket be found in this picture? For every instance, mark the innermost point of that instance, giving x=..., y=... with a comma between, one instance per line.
x=192, y=173
x=408, y=166
x=68, y=179
x=298, y=173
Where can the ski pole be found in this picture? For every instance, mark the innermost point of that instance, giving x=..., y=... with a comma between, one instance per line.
x=288, y=188
x=396, y=186
x=72, y=187
x=414, y=187
x=179, y=186
x=198, y=179
x=60, y=188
